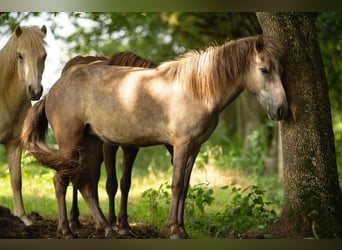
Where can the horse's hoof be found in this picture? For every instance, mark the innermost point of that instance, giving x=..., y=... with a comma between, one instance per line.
x=65, y=234
x=69, y=237
x=177, y=233
x=176, y=237
x=74, y=226
x=124, y=232
x=26, y=220
x=109, y=232
x=115, y=227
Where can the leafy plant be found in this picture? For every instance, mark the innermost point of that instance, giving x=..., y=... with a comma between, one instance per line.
x=247, y=210
x=198, y=196
x=157, y=200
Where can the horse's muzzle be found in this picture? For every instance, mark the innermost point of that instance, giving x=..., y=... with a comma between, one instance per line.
x=278, y=113
x=34, y=93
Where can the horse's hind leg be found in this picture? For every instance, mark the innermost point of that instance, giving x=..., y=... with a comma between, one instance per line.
x=61, y=183
x=14, y=165
x=87, y=181
x=74, y=222
x=109, y=156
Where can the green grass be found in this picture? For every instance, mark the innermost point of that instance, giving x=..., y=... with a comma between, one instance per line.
x=228, y=193
x=225, y=197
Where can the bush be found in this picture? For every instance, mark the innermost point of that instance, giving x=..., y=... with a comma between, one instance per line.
x=245, y=210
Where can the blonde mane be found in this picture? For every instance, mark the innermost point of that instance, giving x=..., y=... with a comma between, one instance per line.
x=32, y=37
x=204, y=72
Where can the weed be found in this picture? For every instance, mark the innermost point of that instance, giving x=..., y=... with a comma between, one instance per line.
x=157, y=201
x=246, y=211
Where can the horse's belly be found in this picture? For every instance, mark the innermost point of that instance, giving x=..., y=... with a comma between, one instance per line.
x=123, y=133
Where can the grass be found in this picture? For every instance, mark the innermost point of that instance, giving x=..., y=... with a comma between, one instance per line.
x=213, y=198
x=224, y=197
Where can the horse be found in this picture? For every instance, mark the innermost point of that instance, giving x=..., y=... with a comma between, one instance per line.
x=22, y=62
x=109, y=151
x=177, y=103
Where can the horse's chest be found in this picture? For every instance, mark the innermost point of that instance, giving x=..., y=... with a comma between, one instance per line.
x=10, y=123
x=6, y=130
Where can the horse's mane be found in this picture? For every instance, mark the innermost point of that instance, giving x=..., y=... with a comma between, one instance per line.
x=202, y=72
x=129, y=59
x=31, y=36
x=118, y=59
x=83, y=59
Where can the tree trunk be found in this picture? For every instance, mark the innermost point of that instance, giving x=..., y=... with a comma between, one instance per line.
x=312, y=196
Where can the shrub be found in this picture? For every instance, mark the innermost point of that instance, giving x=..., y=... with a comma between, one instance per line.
x=244, y=210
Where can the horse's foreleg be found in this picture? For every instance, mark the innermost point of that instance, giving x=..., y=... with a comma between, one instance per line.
x=61, y=184
x=14, y=161
x=181, y=205
x=180, y=158
x=125, y=184
x=109, y=155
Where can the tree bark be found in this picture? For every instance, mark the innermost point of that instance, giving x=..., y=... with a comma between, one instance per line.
x=312, y=196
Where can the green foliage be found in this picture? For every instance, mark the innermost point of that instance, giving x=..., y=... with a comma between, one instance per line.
x=329, y=26
x=157, y=201
x=223, y=151
x=108, y=33
x=157, y=36
x=247, y=210
x=198, y=197
x=244, y=210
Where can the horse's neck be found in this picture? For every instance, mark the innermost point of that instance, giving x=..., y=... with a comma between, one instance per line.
x=227, y=95
x=7, y=67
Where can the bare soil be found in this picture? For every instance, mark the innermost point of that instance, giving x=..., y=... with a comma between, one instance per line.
x=12, y=227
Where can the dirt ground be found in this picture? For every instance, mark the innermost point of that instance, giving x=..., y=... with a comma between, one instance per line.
x=45, y=228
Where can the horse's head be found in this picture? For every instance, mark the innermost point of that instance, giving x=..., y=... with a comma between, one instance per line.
x=31, y=56
x=264, y=77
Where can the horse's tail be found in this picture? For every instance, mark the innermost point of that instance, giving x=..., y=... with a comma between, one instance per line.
x=33, y=137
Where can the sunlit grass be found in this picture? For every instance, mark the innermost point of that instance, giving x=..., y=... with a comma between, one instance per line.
x=39, y=194
x=216, y=166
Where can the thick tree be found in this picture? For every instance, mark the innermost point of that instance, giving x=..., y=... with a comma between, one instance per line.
x=312, y=196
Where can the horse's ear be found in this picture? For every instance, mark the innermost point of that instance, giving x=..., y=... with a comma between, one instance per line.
x=43, y=28
x=259, y=44
x=18, y=31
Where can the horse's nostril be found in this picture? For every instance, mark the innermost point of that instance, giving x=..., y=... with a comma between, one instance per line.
x=280, y=112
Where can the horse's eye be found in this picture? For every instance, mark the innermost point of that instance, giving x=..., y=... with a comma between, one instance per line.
x=264, y=70
x=20, y=56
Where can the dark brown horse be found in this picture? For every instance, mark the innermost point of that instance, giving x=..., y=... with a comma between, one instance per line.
x=177, y=103
x=109, y=150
